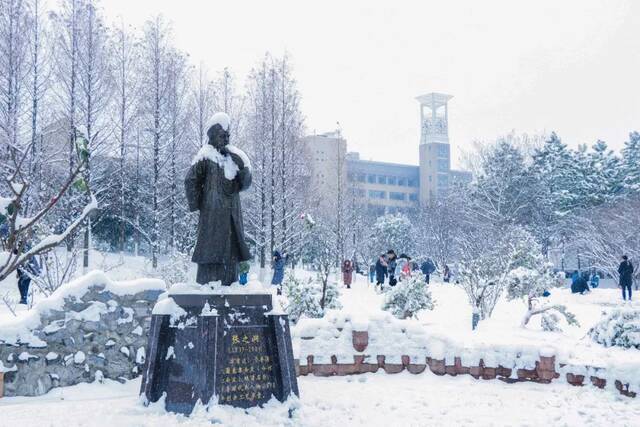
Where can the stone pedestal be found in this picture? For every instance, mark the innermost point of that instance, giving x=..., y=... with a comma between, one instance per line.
x=226, y=347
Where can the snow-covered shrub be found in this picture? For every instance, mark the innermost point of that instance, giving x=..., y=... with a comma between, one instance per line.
x=332, y=296
x=619, y=328
x=529, y=285
x=303, y=297
x=408, y=297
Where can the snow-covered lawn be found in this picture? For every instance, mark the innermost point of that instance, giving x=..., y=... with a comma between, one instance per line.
x=370, y=399
x=380, y=399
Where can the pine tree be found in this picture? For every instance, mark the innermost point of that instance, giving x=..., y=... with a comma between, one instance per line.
x=631, y=163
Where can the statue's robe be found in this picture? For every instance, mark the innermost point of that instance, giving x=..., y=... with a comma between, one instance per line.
x=220, y=243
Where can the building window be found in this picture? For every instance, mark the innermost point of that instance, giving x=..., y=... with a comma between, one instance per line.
x=413, y=182
x=382, y=179
x=396, y=196
x=443, y=180
x=391, y=180
x=350, y=176
x=375, y=194
x=371, y=179
x=430, y=178
x=360, y=192
x=443, y=165
x=402, y=181
x=443, y=150
x=413, y=197
x=362, y=177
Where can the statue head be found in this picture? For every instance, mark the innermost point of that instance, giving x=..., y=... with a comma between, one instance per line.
x=218, y=137
x=218, y=130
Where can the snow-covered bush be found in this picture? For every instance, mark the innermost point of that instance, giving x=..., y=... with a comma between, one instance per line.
x=303, y=297
x=332, y=296
x=620, y=328
x=529, y=284
x=408, y=297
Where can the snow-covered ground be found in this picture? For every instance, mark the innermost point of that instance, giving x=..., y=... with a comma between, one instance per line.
x=378, y=399
x=366, y=400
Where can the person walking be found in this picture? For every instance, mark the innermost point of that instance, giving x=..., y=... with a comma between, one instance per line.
x=391, y=268
x=403, y=267
x=347, y=273
x=427, y=269
x=446, y=274
x=25, y=272
x=594, y=280
x=381, y=270
x=625, y=270
x=278, y=262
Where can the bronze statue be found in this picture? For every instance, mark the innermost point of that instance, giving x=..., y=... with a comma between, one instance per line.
x=218, y=174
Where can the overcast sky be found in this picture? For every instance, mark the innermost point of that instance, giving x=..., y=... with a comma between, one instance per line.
x=528, y=66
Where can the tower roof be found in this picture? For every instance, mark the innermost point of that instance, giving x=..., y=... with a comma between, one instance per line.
x=434, y=99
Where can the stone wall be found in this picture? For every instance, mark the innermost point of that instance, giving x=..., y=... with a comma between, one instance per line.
x=97, y=333
x=546, y=369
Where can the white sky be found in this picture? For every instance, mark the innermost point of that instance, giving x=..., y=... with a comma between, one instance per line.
x=528, y=66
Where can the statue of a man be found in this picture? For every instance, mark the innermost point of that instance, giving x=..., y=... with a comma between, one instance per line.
x=218, y=173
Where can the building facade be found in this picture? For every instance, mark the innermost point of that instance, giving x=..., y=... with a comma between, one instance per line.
x=388, y=187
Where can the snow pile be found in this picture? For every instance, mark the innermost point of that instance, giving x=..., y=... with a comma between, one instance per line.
x=21, y=330
x=215, y=288
x=208, y=152
x=89, y=328
x=620, y=328
x=243, y=156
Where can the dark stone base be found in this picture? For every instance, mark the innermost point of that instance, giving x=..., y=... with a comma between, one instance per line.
x=236, y=354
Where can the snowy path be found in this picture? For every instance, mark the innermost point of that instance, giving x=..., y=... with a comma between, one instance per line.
x=371, y=400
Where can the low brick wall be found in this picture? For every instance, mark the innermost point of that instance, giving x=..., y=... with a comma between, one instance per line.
x=544, y=371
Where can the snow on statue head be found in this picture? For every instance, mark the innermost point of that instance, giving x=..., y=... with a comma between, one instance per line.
x=218, y=130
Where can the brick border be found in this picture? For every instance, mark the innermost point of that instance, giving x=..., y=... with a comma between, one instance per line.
x=544, y=372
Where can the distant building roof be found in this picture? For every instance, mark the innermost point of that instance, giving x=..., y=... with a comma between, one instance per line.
x=434, y=99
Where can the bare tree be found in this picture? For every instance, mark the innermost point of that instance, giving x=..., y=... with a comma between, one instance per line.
x=125, y=51
x=13, y=56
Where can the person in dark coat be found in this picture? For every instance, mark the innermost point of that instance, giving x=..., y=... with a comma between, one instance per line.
x=625, y=270
x=391, y=267
x=347, y=273
x=24, y=272
x=446, y=274
x=427, y=268
x=381, y=270
x=278, y=268
x=580, y=283
x=217, y=175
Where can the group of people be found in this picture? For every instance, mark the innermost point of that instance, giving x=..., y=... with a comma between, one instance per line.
x=582, y=282
x=397, y=268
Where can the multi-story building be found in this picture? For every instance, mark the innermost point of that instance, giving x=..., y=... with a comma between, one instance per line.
x=389, y=187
